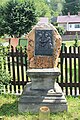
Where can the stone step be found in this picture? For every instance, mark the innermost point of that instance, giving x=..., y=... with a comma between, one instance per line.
x=32, y=93
x=34, y=107
x=44, y=99
x=35, y=92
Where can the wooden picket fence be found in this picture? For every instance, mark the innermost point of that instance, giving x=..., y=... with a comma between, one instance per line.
x=70, y=70
x=69, y=65
x=16, y=64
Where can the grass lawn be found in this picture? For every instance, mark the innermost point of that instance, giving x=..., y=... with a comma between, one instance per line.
x=9, y=111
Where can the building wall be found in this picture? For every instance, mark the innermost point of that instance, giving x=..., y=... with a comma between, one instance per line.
x=70, y=26
x=74, y=27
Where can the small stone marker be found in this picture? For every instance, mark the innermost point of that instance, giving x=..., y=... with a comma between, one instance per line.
x=44, y=113
x=44, y=44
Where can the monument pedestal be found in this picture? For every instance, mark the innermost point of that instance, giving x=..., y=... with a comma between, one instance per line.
x=42, y=91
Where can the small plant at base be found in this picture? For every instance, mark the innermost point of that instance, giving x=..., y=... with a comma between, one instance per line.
x=4, y=77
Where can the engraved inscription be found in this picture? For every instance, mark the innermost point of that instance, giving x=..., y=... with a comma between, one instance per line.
x=43, y=42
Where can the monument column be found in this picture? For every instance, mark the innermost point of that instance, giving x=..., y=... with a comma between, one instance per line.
x=44, y=44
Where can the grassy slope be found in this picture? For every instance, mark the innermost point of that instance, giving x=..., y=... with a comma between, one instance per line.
x=8, y=109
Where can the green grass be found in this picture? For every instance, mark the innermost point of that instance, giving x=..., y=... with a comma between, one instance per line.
x=9, y=110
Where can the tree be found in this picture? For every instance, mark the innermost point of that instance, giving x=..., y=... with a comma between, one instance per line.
x=18, y=17
x=55, y=6
x=3, y=1
x=1, y=21
x=71, y=6
x=42, y=9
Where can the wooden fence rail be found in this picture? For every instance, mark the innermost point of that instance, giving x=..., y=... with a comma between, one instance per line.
x=69, y=65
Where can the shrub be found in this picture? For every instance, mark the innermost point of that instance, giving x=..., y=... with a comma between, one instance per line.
x=4, y=75
x=59, y=28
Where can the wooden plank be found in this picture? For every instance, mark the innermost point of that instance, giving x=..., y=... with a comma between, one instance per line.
x=61, y=68
x=0, y=58
x=70, y=69
x=79, y=67
x=26, y=63
x=8, y=61
x=22, y=69
x=18, y=82
x=19, y=54
x=69, y=84
x=66, y=72
x=4, y=63
x=13, y=68
x=4, y=58
x=75, y=80
x=9, y=70
x=18, y=73
x=69, y=55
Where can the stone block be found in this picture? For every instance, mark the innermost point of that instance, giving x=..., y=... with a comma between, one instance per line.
x=45, y=60
x=42, y=91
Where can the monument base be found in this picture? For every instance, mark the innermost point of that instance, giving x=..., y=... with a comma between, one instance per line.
x=44, y=92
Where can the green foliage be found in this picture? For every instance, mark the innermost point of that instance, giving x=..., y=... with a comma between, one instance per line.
x=2, y=2
x=49, y=7
x=42, y=9
x=76, y=40
x=70, y=43
x=1, y=21
x=59, y=28
x=55, y=6
x=71, y=6
x=4, y=75
x=18, y=18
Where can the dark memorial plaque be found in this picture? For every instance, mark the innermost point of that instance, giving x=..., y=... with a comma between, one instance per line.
x=43, y=42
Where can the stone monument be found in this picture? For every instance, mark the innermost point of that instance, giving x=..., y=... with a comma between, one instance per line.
x=44, y=44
